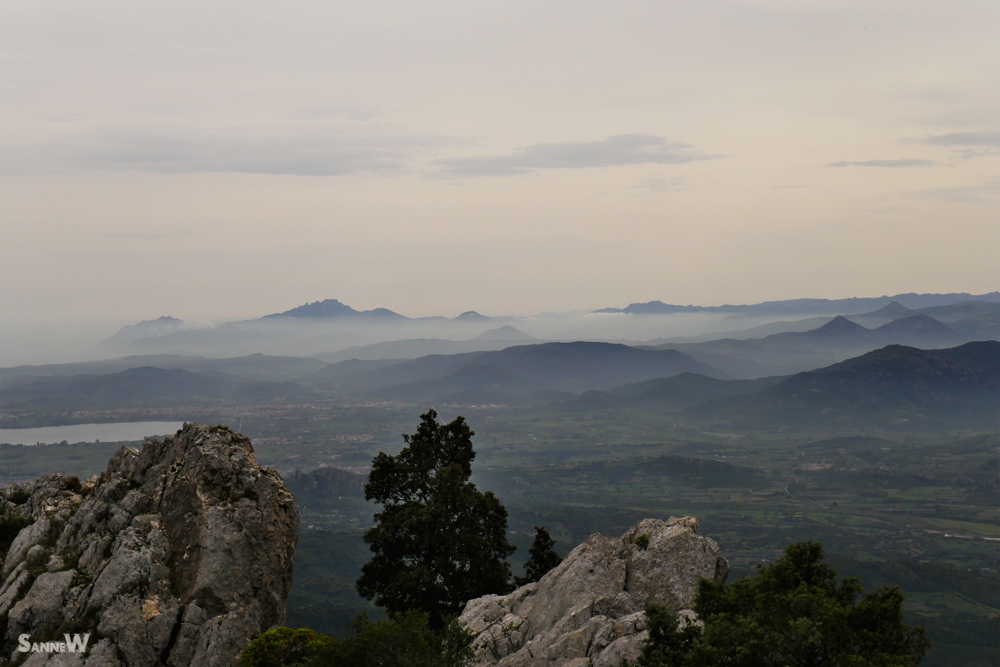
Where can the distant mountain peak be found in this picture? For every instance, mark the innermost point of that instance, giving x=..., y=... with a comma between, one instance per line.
x=131, y=332
x=472, y=315
x=652, y=308
x=330, y=309
x=840, y=326
x=318, y=309
x=917, y=323
x=894, y=309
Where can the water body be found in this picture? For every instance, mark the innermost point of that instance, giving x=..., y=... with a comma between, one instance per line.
x=121, y=432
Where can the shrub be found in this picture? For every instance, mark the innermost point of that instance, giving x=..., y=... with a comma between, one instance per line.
x=405, y=640
x=283, y=647
x=11, y=524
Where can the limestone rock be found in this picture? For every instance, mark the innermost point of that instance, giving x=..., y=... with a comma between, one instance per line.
x=588, y=611
x=178, y=554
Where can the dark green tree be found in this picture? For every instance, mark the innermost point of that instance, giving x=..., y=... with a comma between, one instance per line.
x=794, y=613
x=438, y=541
x=543, y=557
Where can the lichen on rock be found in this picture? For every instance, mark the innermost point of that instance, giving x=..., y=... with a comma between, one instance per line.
x=178, y=554
x=588, y=611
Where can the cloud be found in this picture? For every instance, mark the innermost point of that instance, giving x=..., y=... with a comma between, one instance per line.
x=984, y=139
x=987, y=192
x=898, y=163
x=253, y=150
x=967, y=144
x=662, y=184
x=615, y=151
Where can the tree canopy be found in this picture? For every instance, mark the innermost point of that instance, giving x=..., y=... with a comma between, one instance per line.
x=794, y=613
x=438, y=541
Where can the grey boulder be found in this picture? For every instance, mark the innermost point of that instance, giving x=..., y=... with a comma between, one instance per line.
x=588, y=611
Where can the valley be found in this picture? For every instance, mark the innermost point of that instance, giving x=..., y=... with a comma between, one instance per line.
x=889, y=457
x=907, y=508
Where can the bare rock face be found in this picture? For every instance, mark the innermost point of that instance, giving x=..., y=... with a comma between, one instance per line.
x=588, y=612
x=179, y=554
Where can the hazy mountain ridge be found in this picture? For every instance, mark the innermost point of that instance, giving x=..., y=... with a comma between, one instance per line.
x=254, y=366
x=330, y=326
x=893, y=386
x=148, y=386
x=514, y=372
x=490, y=340
x=147, y=328
x=810, y=306
x=712, y=380
x=563, y=367
x=839, y=338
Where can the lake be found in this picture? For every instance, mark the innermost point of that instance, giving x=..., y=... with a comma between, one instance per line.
x=121, y=432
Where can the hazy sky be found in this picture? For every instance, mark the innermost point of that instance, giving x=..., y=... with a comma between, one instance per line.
x=212, y=160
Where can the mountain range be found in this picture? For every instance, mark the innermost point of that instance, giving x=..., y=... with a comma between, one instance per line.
x=809, y=306
x=842, y=337
x=336, y=330
x=893, y=386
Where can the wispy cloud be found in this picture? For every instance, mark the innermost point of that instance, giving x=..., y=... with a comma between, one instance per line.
x=663, y=184
x=254, y=150
x=615, y=151
x=892, y=164
x=966, y=144
x=987, y=192
x=965, y=139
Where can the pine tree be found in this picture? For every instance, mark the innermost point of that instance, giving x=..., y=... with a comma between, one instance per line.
x=543, y=557
x=438, y=541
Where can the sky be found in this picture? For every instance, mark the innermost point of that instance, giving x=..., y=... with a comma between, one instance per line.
x=216, y=160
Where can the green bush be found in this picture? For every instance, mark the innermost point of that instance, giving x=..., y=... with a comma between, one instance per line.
x=794, y=613
x=283, y=647
x=406, y=640
x=642, y=541
x=19, y=495
x=11, y=524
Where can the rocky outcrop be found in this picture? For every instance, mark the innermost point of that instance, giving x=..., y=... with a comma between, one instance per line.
x=588, y=611
x=179, y=554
